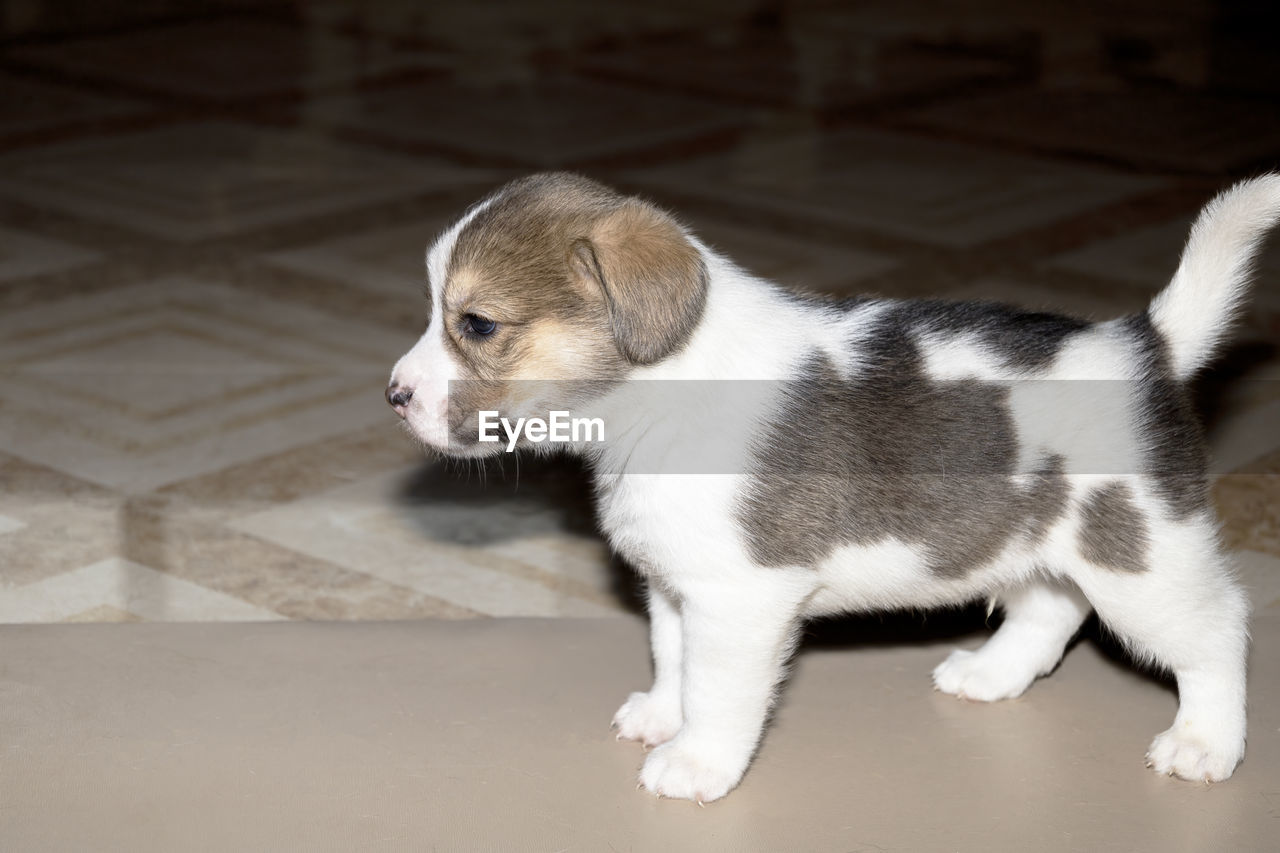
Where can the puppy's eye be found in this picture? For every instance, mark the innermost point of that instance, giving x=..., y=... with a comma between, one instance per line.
x=481, y=326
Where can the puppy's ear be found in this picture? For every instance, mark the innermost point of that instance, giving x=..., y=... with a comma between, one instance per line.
x=653, y=279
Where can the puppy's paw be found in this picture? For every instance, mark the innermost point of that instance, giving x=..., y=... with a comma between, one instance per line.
x=1195, y=753
x=683, y=770
x=648, y=719
x=969, y=675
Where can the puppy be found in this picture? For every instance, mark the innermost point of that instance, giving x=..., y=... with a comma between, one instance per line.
x=890, y=454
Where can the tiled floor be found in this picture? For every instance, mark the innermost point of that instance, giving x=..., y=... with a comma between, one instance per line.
x=196, y=180
x=230, y=58
x=933, y=192
x=212, y=220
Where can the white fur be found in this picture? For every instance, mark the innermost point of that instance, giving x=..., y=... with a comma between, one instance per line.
x=1041, y=617
x=1079, y=407
x=1196, y=310
x=723, y=626
x=963, y=356
x=427, y=368
x=682, y=533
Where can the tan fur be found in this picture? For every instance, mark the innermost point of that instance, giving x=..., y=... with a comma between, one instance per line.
x=583, y=282
x=654, y=281
x=560, y=256
x=555, y=365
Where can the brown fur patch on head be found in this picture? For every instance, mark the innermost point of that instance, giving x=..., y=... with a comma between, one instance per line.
x=510, y=264
x=614, y=280
x=583, y=283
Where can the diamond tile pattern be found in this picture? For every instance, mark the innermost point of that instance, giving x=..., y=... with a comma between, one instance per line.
x=24, y=254
x=212, y=226
x=551, y=123
x=840, y=70
x=117, y=387
x=1162, y=128
x=941, y=193
x=225, y=59
x=27, y=106
x=1148, y=257
x=389, y=260
x=200, y=180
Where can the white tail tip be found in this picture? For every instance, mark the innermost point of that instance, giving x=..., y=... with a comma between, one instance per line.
x=1196, y=311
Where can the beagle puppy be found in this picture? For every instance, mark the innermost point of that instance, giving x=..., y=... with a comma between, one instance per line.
x=766, y=457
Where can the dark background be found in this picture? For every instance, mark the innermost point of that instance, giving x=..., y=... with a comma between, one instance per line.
x=1184, y=92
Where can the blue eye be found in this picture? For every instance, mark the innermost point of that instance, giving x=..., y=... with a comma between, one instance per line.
x=480, y=325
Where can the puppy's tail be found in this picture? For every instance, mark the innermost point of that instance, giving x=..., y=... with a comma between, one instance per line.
x=1196, y=311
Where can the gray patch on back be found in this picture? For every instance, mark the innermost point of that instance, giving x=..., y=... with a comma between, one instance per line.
x=894, y=454
x=1113, y=533
x=1021, y=339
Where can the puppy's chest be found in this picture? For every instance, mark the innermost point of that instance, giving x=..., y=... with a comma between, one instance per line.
x=659, y=523
x=633, y=517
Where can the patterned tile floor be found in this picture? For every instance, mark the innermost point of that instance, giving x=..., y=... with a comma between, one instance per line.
x=212, y=219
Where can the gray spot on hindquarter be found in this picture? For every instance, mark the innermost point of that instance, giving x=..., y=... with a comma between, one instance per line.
x=1113, y=533
x=1175, y=455
x=894, y=454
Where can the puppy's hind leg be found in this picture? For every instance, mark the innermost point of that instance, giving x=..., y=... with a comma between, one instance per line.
x=1040, y=619
x=1186, y=612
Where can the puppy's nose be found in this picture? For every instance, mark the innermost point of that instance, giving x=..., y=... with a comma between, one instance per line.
x=399, y=397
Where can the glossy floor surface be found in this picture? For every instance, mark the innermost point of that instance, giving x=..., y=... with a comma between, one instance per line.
x=493, y=735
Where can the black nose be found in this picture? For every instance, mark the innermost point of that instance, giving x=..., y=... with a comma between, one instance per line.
x=399, y=397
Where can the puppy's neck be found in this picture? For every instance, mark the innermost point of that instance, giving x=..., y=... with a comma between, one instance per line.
x=700, y=401
x=750, y=329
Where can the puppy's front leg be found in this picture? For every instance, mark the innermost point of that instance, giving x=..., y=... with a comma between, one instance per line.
x=737, y=633
x=654, y=718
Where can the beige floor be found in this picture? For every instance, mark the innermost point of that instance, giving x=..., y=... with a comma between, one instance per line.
x=493, y=735
x=206, y=273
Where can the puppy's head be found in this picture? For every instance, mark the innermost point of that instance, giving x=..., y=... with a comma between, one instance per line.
x=554, y=285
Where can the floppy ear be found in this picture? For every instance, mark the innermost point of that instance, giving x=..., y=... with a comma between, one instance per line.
x=653, y=279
